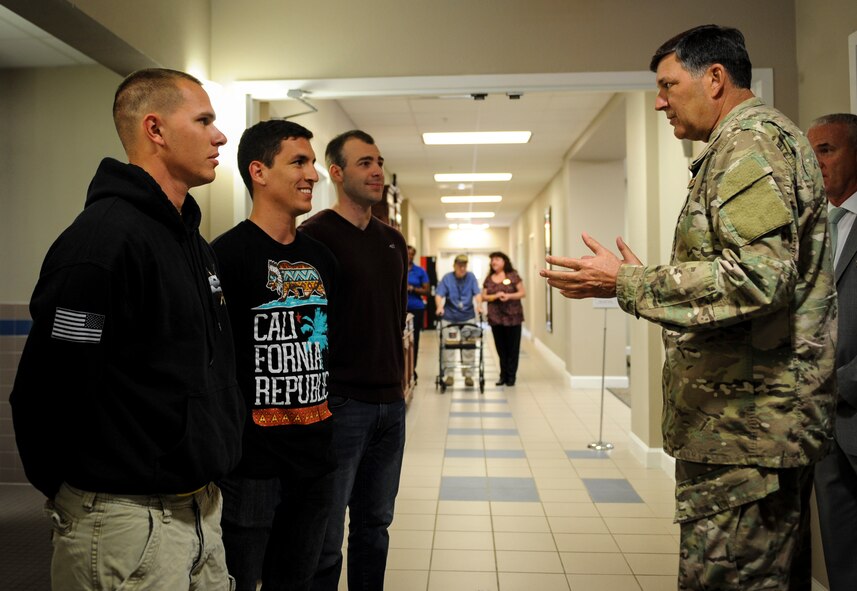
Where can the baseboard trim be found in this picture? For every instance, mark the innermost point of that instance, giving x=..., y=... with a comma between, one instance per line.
x=579, y=382
x=652, y=457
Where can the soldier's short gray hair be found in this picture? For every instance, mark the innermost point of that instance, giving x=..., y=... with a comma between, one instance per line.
x=849, y=120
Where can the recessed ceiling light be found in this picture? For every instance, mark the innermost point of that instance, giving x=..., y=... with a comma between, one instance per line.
x=467, y=215
x=471, y=199
x=469, y=177
x=476, y=137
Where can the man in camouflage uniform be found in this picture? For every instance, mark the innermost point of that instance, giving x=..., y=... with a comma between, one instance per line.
x=748, y=309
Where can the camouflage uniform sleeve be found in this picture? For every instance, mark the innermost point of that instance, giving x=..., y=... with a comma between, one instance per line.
x=735, y=246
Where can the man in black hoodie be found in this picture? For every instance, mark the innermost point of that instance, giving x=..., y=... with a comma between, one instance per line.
x=126, y=405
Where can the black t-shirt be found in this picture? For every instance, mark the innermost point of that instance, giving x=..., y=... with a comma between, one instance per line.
x=278, y=300
x=367, y=362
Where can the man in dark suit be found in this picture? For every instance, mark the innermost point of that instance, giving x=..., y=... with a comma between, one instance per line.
x=834, y=140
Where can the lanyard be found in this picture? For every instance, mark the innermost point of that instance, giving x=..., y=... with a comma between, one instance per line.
x=458, y=285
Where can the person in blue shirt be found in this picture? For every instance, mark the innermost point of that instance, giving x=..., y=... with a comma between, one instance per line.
x=457, y=298
x=418, y=286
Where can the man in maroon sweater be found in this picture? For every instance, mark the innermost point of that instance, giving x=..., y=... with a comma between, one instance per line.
x=366, y=363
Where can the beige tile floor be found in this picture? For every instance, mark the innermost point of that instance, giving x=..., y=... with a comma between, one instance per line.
x=565, y=541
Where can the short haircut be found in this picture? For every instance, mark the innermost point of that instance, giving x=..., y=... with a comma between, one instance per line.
x=700, y=47
x=333, y=153
x=146, y=91
x=848, y=120
x=262, y=142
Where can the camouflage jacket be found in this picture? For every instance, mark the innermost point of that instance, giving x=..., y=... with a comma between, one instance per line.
x=748, y=301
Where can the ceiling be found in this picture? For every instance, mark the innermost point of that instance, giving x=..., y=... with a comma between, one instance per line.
x=557, y=120
x=24, y=45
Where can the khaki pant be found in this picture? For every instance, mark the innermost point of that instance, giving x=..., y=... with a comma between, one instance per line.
x=140, y=543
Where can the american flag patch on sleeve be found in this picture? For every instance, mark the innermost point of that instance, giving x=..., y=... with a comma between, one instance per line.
x=81, y=327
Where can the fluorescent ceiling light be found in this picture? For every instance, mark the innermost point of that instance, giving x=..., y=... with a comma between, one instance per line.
x=469, y=226
x=468, y=177
x=476, y=137
x=471, y=199
x=468, y=215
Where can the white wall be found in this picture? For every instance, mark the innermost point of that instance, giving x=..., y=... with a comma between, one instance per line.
x=645, y=235
x=444, y=240
x=257, y=39
x=530, y=231
x=446, y=244
x=412, y=227
x=596, y=204
x=56, y=125
x=583, y=196
x=174, y=34
x=822, y=56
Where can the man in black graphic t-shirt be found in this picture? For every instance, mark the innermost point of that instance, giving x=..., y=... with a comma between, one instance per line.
x=278, y=285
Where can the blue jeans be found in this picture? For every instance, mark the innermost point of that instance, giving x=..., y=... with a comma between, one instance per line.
x=369, y=440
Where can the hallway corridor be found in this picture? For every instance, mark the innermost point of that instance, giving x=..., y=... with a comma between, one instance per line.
x=499, y=491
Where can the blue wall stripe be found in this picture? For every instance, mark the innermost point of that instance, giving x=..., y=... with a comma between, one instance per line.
x=10, y=327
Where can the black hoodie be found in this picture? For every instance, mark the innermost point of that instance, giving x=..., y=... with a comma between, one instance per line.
x=127, y=382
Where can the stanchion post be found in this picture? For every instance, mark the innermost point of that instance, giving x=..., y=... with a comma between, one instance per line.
x=602, y=445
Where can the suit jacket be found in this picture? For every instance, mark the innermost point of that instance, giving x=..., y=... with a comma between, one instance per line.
x=846, y=349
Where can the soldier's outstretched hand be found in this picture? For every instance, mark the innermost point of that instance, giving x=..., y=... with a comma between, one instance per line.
x=590, y=276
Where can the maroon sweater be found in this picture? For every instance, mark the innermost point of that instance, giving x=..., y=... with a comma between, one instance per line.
x=367, y=320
